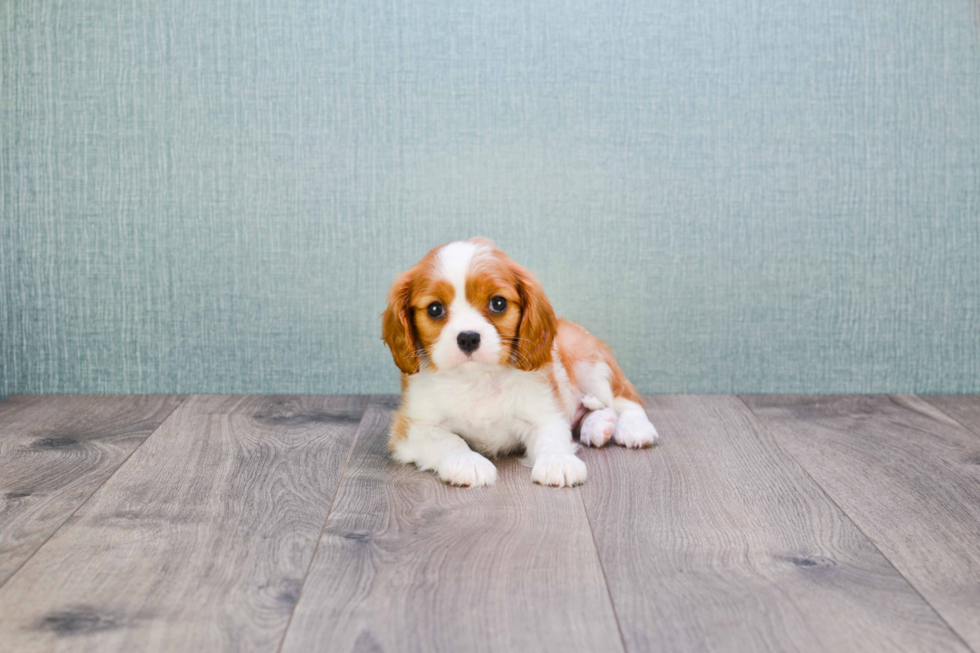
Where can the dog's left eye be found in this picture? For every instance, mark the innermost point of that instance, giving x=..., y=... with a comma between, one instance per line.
x=498, y=305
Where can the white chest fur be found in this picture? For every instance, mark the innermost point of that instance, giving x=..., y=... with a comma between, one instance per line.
x=493, y=408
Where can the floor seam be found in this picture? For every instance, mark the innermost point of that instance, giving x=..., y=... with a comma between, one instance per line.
x=602, y=569
x=323, y=528
x=100, y=486
x=946, y=413
x=830, y=498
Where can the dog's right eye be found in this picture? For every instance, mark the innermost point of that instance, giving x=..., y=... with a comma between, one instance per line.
x=435, y=310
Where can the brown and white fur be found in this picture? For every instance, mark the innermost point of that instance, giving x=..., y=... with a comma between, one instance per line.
x=530, y=379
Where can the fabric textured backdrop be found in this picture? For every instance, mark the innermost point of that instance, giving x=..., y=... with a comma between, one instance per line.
x=214, y=196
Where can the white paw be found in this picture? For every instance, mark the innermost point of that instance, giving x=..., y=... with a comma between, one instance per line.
x=597, y=427
x=467, y=468
x=634, y=430
x=558, y=470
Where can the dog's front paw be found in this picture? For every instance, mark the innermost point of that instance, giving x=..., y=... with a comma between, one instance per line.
x=467, y=468
x=597, y=427
x=634, y=430
x=558, y=470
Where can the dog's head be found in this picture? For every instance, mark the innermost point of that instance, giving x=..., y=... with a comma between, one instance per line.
x=468, y=303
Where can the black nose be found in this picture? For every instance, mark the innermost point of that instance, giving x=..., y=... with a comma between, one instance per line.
x=468, y=341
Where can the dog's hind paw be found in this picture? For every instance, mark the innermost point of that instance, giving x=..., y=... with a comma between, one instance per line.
x=634, y=430
x=598, y=427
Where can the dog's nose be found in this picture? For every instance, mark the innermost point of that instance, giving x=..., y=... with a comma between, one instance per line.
x=468, y=341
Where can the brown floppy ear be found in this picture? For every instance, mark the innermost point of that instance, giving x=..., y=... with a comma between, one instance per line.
x=396, y=325
x=538, y=322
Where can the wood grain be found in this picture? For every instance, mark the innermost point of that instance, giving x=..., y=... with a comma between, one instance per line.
x=55, y=452
x=199, y=542
x=907, y=475
x=965, y=409
x=19, y=402
x=716, y=540
x=409, y=564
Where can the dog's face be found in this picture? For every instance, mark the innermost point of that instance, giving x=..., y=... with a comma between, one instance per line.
x=468, y=303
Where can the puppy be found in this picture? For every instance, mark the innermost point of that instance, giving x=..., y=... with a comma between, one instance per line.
x=487, y=369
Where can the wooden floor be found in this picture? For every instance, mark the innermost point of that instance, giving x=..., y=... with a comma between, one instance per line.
x=279, y=523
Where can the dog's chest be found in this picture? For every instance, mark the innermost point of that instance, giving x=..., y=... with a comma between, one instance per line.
x=494, y=411
x=485, y=407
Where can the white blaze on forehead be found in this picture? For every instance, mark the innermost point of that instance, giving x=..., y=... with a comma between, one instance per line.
x=454, y=261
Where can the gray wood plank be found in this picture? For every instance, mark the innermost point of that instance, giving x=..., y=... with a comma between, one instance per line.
x=406, y=563
x=965, y=409
x=55, y=452
x=12, y=403
x=907, y=475
x=199, y=542
x=716, y=540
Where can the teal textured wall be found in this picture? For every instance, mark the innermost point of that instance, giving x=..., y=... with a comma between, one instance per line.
x=213, y=196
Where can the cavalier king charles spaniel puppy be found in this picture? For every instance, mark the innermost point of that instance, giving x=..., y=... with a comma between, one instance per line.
x=487, y=369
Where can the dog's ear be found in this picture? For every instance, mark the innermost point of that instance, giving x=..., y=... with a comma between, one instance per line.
x=538, y=322
x=396, y=325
